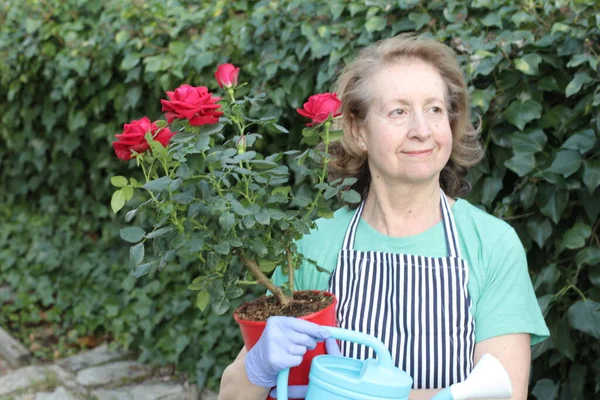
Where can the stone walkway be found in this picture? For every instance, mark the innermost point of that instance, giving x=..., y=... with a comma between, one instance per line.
x=99, y=374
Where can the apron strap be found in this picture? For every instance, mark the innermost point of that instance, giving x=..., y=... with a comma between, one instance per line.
x=449, y=228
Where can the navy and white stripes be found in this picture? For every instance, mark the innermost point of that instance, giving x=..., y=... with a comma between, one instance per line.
x=418, y=306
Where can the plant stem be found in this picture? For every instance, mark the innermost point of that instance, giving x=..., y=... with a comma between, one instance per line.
x=291, y=268
x=263, y=280
x=310, y=209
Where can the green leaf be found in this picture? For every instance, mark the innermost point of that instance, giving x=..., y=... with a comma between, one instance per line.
x=419, y=19
x=585, y=317
x=575, y=237
x=549, y=84
x=580, y=79
x=521, y=163
x=136, y=254
x=142, y=270
x=130, y=61
x=539, y=230
x=375, y=24
x=158, y=185
x=177, y=48
x=562, y=340
x=132, y=234
x=118, y=181
x=530, y=141
x=117, y=201
x=588, y=256
x=222, y=248
x=528, y=64
x=554, y=204
x=492, y=19
x=202, y=300
x=127, y=192
x=566, y=163
x=582, y=141
x=483, y=98
x=491, y=187
x=591, y=174
x=159, y=232
x=220, y=305
x=280, y=128
x=227, y=220
x=521, y=113
x=351, y=196
x=545, y=389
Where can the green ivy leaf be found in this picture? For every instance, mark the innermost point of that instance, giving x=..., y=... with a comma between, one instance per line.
x=545, y=389
x=528, y=64
x=591, y=174
x=117, y=201
x=580, y=79
x=521, y=163
x=539, y=230
x=588, y=256
x=575, y=237
x=566, y=163
x=492, y=19
x=562, y=340
x=132, y=234
x=521, y=113
x=483, y=98
x=130, y=61
x=375, y=24
x=585, y=317
x=202, y=300
x=491, y=186
x=553, y=203
x=136, y=254
x=530, y=141
x=582, y=141
x=118, y=181
x=419, y=19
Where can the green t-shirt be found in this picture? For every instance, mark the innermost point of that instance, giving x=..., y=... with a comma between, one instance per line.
x=503, y=300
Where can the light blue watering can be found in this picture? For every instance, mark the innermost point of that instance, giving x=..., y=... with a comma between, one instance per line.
x=342, y=378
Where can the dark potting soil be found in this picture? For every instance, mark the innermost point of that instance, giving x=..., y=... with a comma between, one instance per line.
x=304, y=303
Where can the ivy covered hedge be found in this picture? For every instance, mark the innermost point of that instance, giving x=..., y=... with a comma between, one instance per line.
x=74, y=71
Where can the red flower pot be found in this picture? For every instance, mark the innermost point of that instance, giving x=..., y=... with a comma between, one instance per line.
x=251, y=331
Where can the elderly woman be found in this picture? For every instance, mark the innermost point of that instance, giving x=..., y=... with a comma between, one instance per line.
x=438, y=280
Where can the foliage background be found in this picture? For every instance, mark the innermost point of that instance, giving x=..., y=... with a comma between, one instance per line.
x=74, y=71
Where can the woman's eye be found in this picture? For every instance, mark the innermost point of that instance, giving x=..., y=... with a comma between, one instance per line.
x=436, y=109
x=397, y=112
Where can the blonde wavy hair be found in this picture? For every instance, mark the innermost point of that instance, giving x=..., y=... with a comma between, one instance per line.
x=352, y=87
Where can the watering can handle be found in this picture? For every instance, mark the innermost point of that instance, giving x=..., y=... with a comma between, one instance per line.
x=383, y=354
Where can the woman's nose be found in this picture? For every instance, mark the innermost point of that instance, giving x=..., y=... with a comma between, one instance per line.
x=419, y=127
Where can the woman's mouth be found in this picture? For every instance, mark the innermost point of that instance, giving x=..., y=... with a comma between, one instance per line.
x=418, y=153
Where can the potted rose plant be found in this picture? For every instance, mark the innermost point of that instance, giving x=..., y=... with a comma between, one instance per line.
x=217, y=201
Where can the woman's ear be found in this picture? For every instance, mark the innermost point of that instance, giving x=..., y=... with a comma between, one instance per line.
x=358, y=134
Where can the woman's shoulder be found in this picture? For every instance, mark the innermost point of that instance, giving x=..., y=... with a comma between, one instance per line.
x=472, y=220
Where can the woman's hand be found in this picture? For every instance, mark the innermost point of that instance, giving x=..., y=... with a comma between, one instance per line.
x=282, y=345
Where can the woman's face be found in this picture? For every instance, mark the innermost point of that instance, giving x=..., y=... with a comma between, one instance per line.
x=407, y=132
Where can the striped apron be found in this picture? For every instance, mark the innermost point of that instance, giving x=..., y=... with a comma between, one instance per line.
x=418, y=306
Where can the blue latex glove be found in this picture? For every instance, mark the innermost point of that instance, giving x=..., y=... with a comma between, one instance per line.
x=282, y=345
x=299, y=391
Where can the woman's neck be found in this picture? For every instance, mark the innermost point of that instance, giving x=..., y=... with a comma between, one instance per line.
x=403, y=210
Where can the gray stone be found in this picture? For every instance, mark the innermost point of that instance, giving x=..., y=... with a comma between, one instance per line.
x=22, y=378
x=59, y=394
x=113, y=373
x=145, y=391
x=98, y=356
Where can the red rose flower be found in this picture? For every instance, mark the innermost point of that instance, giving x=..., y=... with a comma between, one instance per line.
x=319, y=107
x=195, y=104
x=133, y=137
x=227, y=75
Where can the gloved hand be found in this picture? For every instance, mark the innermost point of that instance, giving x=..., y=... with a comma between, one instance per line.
x=299, y=391
x=281, y=345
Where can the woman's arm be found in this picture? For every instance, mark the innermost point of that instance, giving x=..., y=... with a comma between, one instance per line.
x=235, y=384
x=514, y=352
